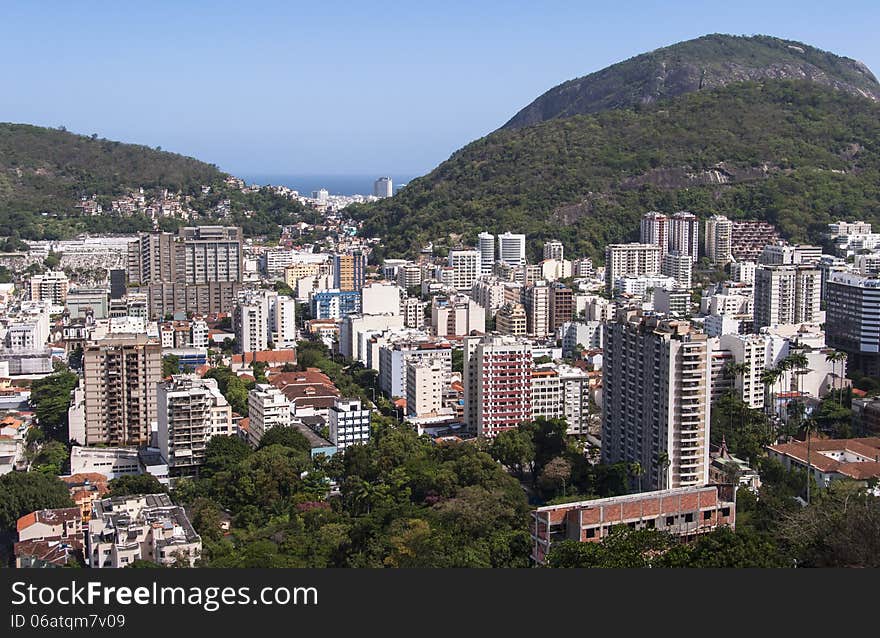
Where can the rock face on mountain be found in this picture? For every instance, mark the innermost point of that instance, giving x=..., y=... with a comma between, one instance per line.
x=704, y=63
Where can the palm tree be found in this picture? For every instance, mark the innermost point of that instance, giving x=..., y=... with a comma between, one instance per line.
x=834, y=356
x=663, y=462
x=808, y=425
x=799, y=364
x=636, y=471
x=769, y=378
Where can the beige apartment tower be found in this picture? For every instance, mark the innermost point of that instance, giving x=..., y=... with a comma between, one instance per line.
x=119, y=383
x=656, y=403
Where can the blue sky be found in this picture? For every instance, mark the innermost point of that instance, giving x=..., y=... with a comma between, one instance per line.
x=348, y=87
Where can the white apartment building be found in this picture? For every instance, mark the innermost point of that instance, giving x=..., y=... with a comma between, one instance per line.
x=512, y=249
x=466, y=265
x=679, y=267
x=282, y=321
x=147, y=527
x=787, y=295
x=751, y=350
x=630, y=260
x=537, y=307
x=395, y=357
x=560, y=391
x=654, y=229
x=486, y=246
x=380, y=298
x=718, y=239
x=267, y=408
x=553, y=249
x=191, y=411
x=489, y=293
x=251, y=320
x=349, y=423
x=456, y=315
x=781, y=254
x=424, y=387
x=743, y=271
x=587, y=334
x=413, y=311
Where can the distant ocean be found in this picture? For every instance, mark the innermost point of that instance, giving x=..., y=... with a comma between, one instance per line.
x=335, y=184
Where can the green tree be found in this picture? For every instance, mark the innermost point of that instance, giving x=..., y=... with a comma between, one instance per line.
x=170, y=365
x=287, y=437
x=51, y=398
x=25, y=492
x=131, y=484
x=514, y=449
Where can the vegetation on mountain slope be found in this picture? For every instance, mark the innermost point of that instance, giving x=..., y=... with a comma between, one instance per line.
x=45, y=172
x=794, y=153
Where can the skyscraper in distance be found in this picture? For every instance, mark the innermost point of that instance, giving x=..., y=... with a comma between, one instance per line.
x=383, y=187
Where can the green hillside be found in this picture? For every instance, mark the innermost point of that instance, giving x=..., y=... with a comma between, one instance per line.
x=795, y=153
x=44, y=173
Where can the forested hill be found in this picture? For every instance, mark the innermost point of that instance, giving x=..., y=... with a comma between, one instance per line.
x=795, y=153
x=44, y=169
x=708, y=62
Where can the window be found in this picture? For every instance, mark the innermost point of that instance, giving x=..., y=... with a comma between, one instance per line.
x=670, y=520
x=591, y=533
x=650, y=524
x=707, y=516
x=689, y=518
x=725, y=511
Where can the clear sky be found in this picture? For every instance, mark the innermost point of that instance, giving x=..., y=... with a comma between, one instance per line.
x=348, y=87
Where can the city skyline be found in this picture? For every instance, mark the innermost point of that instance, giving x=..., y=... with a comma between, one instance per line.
x=313, y=90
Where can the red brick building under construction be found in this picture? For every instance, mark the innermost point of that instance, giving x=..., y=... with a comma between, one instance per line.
x=684, y=512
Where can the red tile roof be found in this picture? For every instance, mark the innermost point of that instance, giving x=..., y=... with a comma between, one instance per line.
x=266, y=356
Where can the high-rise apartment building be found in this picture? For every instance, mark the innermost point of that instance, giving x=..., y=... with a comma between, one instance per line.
x=786, y=295
x=537, y=304
x=679, y=267
x=424, y=387
x=383, y=187
x=118, y=277
x=656, y=399
x=197, y=270
x=511, y=319
x=561, y=306
x=512, y=249
x=497, y=379
x=191, y=411
x=630, y=260
x=719, y=232
x=553, y=249
x=349, y=271
x=654, y=229
x=267, y=408
x=51, y=286
x=684, y=234
x=486, y=246
x=751, y=350
x=250, y=322
x=120, y=374
x=852, y=322
x=282, y=321
x=465, y=266
x=349, y=423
